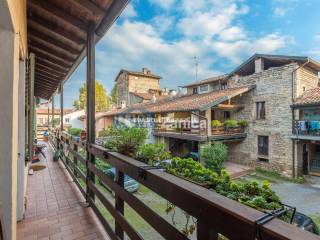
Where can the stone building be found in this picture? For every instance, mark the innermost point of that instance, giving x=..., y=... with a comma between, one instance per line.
x=260, y=91
x=136, y=87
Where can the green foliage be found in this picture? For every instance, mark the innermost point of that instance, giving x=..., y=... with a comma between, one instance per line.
x=216, y=123
x=248, y=193
x=75, y=131
x=126, y=140
x=102, y=100
x=101, y=164
x=231, y=123
x=104, y=132
x=214, y=156
x=243, y=123
x=150, y=153
x=272, y=174
x=55, y=122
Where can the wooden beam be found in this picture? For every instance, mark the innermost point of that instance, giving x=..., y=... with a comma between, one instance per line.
x=61, y=107
x=39, y=36
x=60, y=54
x=89, y=7
x=51, y=57
x=49, y=67
x=58, y=13
x=31, y=104
x=58, y=31
x=51, y=62
x=112, y=14
x=49, y=73
x=48, y=79
x=43, y=82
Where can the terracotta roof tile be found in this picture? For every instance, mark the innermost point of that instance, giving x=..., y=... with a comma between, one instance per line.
x=183, y=103
x=311, y=96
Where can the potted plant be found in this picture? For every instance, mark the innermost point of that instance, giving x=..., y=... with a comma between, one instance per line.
x=243, y=123
x=216, y=126
x=231, y=124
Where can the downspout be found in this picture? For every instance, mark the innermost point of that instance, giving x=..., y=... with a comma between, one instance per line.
x=293, y=78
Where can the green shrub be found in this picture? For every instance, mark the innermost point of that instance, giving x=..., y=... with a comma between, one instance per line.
x=243, y=123
x=75, y=131
x=216, y=123
x=150, y=153
x=214, y=156
x=104, y=132
x=248, y=193
x=126, y=140
x=231, y=123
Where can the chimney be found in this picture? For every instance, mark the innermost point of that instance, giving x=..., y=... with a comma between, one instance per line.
x=123, y=104
x=165, y=92
x=172, y=93
x=258, y=65
x=146, y=70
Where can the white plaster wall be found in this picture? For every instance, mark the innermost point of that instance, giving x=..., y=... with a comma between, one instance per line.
x=73, y=119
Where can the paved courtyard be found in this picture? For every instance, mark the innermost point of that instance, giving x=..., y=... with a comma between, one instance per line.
x=306, y=197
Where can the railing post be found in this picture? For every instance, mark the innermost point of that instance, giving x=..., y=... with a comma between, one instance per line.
x=119, y=203
x=52, y=113
x=75, y=160
x=61, y=108
x=205, y=233
x=90, y=104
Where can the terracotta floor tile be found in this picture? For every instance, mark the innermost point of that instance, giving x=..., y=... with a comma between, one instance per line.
x=54, y=210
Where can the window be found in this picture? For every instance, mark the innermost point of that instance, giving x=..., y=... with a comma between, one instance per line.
x=263, y=145
x=226, y=115
x=204, y=88
x=195, y=90
x=261, y=110
x=223, y=85
x=67, y=120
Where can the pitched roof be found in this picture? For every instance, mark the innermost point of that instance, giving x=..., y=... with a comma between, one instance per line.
x=206, y=81
x=309, y=97
x=56, y=111
x=247, y=67
x=148, y=96
x=183, y=103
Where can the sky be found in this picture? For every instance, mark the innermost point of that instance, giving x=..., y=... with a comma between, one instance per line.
x=170, y=36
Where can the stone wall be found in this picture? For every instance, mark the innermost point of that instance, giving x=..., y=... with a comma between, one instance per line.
x=122, y=88
x=305, y=79
x=273, y=86
x=142, y=84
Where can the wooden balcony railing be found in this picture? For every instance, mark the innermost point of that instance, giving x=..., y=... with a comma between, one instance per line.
x=214, y=213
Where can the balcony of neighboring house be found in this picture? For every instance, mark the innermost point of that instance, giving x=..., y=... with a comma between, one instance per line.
x=306, y=115
x=217, y=123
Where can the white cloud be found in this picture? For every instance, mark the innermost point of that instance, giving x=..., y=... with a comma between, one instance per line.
x=129, y=12
x=166, y=4
x=208, y=29
x=317, y=37
x=232, y=33
x=235, y=51
x=134, y=45
x=278, y=11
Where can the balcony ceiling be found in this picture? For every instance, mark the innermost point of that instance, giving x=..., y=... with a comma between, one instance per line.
x=57, y=33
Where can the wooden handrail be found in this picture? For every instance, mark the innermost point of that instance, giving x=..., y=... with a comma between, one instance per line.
x=214, y=213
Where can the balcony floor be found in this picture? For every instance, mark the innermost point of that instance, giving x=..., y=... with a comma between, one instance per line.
x=56, y=209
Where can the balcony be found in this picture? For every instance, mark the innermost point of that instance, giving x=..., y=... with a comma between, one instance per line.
x=306, y=130
x=200, y=133
x=68, y=218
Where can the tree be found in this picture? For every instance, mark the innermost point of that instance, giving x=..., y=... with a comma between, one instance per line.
x=114, y=94
x=102, y=100
x=214, y=156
